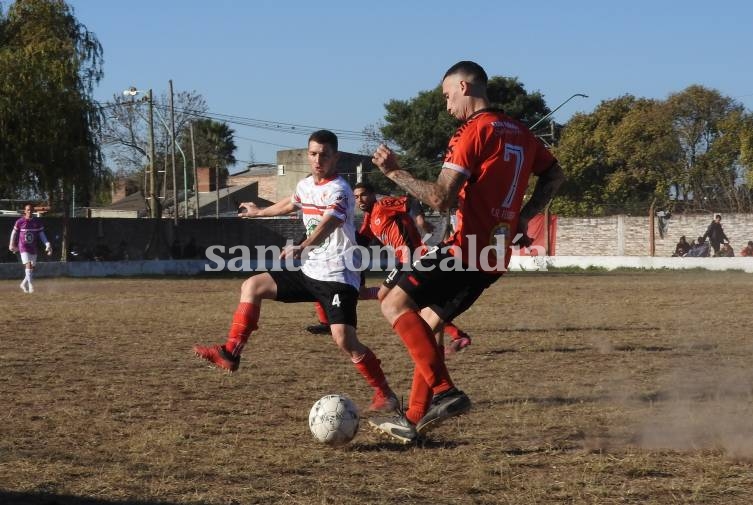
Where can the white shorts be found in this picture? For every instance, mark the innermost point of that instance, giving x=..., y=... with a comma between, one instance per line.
x=28, y=258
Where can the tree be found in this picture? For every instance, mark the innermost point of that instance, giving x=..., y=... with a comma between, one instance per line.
x=214, y=144
x=710, y=129
x=583, y=151
x=49, y=64
x=125, y=133
x=686, y=153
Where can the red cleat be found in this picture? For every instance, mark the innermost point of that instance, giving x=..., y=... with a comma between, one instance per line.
x=218, y=356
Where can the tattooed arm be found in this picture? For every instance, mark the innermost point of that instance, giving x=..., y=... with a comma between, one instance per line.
x=440, y=195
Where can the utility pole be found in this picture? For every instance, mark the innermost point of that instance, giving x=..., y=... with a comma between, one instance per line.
x=172, y=153
x=195, y=171
x=153, y=203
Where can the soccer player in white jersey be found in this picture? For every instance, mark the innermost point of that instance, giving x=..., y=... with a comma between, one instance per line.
x=27, y=230
x=327, y=275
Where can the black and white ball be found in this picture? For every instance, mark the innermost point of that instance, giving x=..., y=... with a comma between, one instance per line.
x=333, y=420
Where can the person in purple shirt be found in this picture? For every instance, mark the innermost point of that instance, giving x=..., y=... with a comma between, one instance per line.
x=23, y=239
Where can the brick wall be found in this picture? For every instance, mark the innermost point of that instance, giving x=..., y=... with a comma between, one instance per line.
x=629, y=235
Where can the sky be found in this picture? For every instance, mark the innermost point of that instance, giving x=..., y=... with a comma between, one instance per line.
x=334, y=64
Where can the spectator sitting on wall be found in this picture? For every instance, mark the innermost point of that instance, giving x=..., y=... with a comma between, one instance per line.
x=726, y=251
x=715, y=234
x=748, y=249
x=700, y=249
x=682, y=247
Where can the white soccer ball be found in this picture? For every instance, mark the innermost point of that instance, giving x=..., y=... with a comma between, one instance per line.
x=333, y=420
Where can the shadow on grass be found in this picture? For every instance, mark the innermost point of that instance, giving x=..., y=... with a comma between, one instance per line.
x=42, y=498
x=395, y=446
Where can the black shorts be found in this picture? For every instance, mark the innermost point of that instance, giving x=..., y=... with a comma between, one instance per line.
x=449, y=293
x=338, y=299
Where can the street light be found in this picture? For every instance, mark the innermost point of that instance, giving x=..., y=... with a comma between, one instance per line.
x=555, y=110
x=132, y=91
x=185, y=183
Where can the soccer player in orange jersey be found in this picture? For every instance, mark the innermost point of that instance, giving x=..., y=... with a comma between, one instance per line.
x=388, y=220
x=485, y=174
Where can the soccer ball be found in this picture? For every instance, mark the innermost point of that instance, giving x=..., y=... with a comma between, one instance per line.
x=333, y=420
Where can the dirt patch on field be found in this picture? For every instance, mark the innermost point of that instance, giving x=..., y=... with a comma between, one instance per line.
x=587, y=388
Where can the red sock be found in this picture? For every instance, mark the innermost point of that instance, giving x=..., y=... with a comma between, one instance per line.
x=370, y=367
x=419, y=399
x=423, y=349
x=452, y=331
x=321, y=313
x=245, y=321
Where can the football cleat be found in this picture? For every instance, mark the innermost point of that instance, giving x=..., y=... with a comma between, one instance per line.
x=451, y=403
x=458, y=344
x=396, y=426
x=218, y=356
x=318, y=329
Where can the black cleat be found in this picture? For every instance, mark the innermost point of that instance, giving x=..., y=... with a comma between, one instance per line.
x=451, y=403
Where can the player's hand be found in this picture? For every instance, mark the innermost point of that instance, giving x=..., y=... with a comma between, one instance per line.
x=523, y=239
x=385, y=159
x=291, y=251
x=248, y=209
x=48, y=249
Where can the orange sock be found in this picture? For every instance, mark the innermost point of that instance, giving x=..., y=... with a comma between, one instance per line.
x=321, y=313
x=419, y=399
x=452, y=331
x=245, y=321
x=423, y=349
x=371, y=369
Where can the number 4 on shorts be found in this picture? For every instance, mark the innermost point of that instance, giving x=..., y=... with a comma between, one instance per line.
x=336, y=301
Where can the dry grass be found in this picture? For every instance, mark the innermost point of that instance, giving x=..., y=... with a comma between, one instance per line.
x=587, y=388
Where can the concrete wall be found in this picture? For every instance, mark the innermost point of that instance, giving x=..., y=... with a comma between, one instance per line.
x=152, y=239
x=138, y=239
x=629, y=235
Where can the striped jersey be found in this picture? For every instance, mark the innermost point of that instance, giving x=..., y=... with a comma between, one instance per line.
x=336, y=259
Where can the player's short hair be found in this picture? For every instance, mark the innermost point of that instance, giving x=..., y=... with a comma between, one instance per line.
x=470, y=69
x=324, y=137
x=718, y=216
x=365, y=185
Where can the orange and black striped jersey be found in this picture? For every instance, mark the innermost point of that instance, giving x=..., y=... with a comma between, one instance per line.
x=390, y=223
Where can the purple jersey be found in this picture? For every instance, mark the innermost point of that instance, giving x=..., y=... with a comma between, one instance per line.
x=28, y=230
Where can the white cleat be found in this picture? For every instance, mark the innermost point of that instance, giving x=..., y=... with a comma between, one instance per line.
x=23, y=287
x=31, y=288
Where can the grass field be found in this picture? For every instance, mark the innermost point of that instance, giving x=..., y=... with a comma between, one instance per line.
x=595, y=388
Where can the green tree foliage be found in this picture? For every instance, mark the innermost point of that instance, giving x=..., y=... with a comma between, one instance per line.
x=686, y=153
x=711, y=130
x=214, y=145
x=49, y=63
